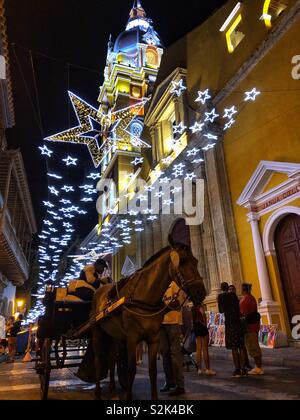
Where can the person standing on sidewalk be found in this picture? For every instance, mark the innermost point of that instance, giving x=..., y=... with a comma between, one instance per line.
x=251, y=316
x=202, y=338
x=170, y=345
x=12, y=338
x=229, y=306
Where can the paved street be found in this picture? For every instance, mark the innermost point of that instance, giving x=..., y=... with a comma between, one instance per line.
x=19, y=382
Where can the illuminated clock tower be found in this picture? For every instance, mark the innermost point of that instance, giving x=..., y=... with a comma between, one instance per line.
x=132, y=66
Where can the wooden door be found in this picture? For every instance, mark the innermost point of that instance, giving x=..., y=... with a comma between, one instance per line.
x=287, y=242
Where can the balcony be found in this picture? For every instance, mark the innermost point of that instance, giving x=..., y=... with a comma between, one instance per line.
x=13, y=262
x=17, y=222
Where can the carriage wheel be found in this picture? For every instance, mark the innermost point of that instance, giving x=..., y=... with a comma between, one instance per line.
x=122, y=368
x=45, y=369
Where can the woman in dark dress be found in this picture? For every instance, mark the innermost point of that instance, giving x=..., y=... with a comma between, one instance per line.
x=230, y=306
x=202, y=339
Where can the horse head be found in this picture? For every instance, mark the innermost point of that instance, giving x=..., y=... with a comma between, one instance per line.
x=184, y=271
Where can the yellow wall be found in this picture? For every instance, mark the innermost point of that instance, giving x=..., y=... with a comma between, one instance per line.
x=268, y=129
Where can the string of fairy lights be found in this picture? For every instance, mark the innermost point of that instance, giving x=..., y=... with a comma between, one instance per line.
x=103, y=135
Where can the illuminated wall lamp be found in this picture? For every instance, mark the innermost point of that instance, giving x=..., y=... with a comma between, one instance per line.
x=231, y=31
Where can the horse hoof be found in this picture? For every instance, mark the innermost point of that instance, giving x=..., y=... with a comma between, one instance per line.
x=98, y=396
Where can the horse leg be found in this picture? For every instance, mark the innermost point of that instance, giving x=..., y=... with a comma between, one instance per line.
x=97, y=353
x=153, y=351
x=132, y=343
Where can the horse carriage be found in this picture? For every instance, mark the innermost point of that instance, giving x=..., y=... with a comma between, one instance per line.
x=123, y=315
x=63, y=336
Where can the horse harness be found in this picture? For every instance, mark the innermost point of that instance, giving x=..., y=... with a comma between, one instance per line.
x=158, y=310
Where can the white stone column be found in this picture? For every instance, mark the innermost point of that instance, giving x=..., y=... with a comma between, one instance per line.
x=263, y=274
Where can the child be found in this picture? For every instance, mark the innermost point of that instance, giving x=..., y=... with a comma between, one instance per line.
x=202, y=337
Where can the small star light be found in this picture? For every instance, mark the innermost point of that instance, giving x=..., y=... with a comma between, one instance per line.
x=177, y=173
x=164, y=180
x=211, y=116
x=251, y=96
x=142, y=198
x=203, y=97
x=152, y=218
x=179, y=167
x=94, y=177
x=168, y=202
x=211, y=136
x=197, y=127
x=193, y=152
x=48, y=223
x=167, y=161
x=67, y=225
x=67, y=189
x=87, y=200
x=70, y=161
x=179, y=129
x=54, y=176
x=53, y=191
x=197, y=161
x=229, y=124
x=45, y=151
x=48, y=204
x=190, y=177
x=65, y=202
x=159, y=194
x=230, y=112
x=137, y=161
x=178, y=88
x=208, y=147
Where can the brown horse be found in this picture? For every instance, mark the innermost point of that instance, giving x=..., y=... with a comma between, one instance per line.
x=141, y=319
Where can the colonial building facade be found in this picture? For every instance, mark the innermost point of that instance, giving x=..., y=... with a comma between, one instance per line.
x=241, y=63
x=17, y=221
x=251, y=227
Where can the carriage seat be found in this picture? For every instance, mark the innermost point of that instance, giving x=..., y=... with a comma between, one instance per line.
x=77, y=291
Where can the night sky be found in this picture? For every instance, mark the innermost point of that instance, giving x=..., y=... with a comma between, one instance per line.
x=68, y=40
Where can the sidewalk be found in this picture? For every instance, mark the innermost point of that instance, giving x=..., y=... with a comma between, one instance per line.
x=287, y=357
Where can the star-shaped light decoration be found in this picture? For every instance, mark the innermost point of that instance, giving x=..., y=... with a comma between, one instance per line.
x=167, y=160
x=164, y=180
x=198, y=161
x=55, y=176
x=230, y=112
x=229, y=124
x=45, y=151
x=85, y=133
x=252, y=95
x=178, y=88
x=137, y=161
x=48, y=204
x=211, y=116
x=209, y=147
x=197, y=127
x=69, y=161
x=193, y=152
x=203, y=97
x=210, y=136
x=53, y=191
x=94, y=176
x=190, y=177
x=179, y=129
x=67, y=189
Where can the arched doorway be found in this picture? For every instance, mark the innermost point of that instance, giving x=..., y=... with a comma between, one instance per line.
x=181, y=233
x=287, y=244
